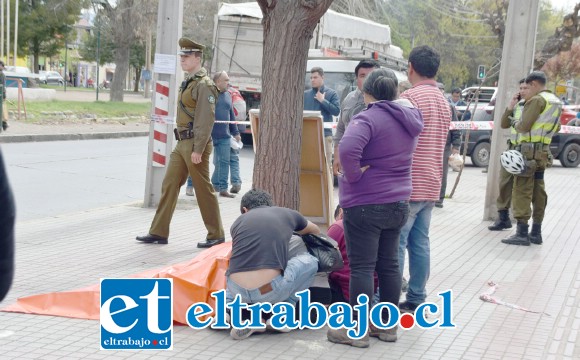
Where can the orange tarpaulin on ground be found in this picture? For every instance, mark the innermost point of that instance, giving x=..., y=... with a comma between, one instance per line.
x=193, y=281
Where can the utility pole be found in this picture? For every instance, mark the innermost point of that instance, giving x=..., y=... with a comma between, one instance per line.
x=7, y=32
x=516, y=62
x=16, y=34
x=169, y=23
x=147, y=82
x=98, y=56
x=2, y=30
x=65, y=61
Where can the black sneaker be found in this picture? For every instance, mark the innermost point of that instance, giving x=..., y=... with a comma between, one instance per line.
x=407, y=307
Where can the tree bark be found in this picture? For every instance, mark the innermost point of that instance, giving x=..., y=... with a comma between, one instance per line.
x=288, y=27
x=122, y=66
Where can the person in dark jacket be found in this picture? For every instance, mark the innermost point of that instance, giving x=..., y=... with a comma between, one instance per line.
x=323, y=99
x=7, y=217
x=456, y=100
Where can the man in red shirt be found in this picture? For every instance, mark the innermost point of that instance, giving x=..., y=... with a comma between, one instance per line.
x=426, y=171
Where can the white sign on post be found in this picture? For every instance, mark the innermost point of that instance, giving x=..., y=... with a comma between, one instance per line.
x=165, y=64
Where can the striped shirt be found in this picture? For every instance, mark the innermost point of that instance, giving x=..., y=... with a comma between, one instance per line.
x=427, y=168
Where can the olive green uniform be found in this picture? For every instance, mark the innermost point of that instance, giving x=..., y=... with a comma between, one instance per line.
x=197, y=99
x=539, y=121
x=506, y=180
x=3, y=94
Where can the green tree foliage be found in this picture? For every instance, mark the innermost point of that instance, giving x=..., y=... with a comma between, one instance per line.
x=467, y=33
x=101, y=33
x=137, y=61
x=44, y=25
x=453, y=27
x=564, y=29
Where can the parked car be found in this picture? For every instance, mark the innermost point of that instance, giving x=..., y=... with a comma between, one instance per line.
x=19, y=69
x=564, y=147
x=51, y=77
x=486, y=94
x=23, y=73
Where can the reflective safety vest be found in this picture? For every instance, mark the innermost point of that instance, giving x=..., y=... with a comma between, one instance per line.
x=547, y=123
x=516, y=116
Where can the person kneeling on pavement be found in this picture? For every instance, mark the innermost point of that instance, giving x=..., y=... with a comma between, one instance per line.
x=260, y=269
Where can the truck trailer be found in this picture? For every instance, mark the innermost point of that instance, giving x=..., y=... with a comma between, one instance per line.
x=339, y=41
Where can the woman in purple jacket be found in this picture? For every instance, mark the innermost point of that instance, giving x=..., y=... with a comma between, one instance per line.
x=376, y=155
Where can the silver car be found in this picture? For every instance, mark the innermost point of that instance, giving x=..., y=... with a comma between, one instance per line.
x=51, y=77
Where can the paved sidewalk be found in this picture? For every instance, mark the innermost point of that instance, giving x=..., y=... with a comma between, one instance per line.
x=75, y=250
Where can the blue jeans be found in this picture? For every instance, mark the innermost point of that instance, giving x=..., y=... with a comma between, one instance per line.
x=372, y=243
x=415, y=239
x=221, y=162
x=298, y=276
x=225, y=157
x=235, y=167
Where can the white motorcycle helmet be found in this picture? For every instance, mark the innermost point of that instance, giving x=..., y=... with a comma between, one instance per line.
x=513, y=162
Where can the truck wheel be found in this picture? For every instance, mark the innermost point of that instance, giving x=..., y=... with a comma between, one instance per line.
x=480, y=154
x=570, y=156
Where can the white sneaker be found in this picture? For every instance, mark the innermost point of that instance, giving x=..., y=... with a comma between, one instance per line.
x=189, y=191
x=241, y=334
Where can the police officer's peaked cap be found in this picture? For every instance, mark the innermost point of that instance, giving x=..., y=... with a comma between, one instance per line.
x=189, y=46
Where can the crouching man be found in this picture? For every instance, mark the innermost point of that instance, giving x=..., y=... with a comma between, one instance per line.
x=259, y=269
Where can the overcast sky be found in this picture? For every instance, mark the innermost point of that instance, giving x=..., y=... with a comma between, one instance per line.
x=565, y=4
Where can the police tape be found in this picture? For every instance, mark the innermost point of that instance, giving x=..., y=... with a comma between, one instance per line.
x=163, y=119
x=569, y=130
x=233, y=122
x=454, y=125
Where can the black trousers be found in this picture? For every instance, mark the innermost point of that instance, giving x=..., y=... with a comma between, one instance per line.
x=372, y=242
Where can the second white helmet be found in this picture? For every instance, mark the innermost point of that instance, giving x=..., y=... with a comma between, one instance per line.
x=513, y=162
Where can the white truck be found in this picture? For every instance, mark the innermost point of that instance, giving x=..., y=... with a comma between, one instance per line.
x=338, y=43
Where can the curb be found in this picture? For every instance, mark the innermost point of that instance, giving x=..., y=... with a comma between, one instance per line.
x=66, y=137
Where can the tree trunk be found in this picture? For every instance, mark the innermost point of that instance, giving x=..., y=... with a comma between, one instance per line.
x=122, y=66
x=35, y=63
x=288, y=27
x=137, y=79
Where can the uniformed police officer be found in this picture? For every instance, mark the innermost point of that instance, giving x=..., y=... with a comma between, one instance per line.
x=3, y=94
x=512, y=114
x=539, y=122
x=195, y=119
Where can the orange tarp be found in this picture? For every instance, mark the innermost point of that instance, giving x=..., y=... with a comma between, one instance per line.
x=193, y=281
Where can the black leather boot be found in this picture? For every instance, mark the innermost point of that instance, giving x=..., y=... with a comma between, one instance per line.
x=209, y=243
x=152, y=239
x=536, y=234
x=520, y=237
x=502, y=222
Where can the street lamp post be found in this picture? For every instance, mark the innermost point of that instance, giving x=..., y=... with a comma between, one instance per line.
x=65, y=61
x=98, y=56
x=96, y=3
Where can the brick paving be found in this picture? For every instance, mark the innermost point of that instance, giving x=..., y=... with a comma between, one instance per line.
x=75, y=250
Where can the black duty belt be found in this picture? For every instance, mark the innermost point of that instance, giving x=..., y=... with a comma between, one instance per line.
x=182, y=135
